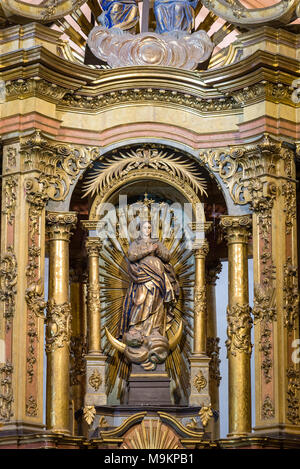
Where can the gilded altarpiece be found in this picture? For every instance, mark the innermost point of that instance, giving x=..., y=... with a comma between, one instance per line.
x=222, y=136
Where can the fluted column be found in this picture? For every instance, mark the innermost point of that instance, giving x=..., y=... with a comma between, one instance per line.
x=200, y=300
x=93, y=246
x=238, y=324
x=58, y=321
x=95, y=360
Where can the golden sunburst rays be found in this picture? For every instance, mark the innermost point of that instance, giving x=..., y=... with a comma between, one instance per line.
x=114, y=281
x=151, y=434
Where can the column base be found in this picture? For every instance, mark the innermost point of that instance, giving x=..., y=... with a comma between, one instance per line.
x=95, y=380
x=199, y=380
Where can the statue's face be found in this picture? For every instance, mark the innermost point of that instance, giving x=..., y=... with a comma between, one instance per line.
x=146, y=230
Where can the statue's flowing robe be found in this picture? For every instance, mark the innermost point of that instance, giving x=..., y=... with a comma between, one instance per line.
x=123, y=14
x=174, y=15
x=152, y=290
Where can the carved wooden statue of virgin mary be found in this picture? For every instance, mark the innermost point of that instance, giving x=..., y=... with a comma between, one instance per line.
x=149, y=301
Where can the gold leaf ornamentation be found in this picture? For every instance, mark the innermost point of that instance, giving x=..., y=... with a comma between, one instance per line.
x=268, y=411
x=89, y=413
x=6, y=392
x=151, y=434
x=119, y=166
x=8, y=281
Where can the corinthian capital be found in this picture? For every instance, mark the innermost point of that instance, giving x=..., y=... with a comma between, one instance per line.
x=60, y=225
x=93, y=246
x=237, y=229
x=201, y=249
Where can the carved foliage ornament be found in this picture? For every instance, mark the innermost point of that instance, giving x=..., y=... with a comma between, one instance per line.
x=293, y=388
x=199, y=381
x=6, y=392
x=213, y=351
x=60, y=225
x=239, y=328
x=239, y=168
x=59, y=325
x=8, y=281
x=23, y=88
x=89, y=413
x=268, y=411
x=10, y=186
x=89, y=103
x=205, y=414
x=95, y=380
x=290, y=295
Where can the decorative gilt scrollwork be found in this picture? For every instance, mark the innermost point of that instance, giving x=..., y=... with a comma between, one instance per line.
x=293, y=387
x=31, y=407
x=290, y=207
x=199, y=381
x=60, y=225
x=200, y=301
x=268, y=411
x=237, y=229
x=264, y=311
x=6, y=392
x=239, y=328
x=235, y=12
x=58, y=165
x=46, y=12
x=58, y=325
x=89, y=413
x=119, y=97
x=10, y=186
x=95, y=380
x=290, y=295
x=239, y=167
x=20, y=89
x=8, y=281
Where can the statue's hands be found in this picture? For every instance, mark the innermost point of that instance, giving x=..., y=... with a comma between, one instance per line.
x=154, y=247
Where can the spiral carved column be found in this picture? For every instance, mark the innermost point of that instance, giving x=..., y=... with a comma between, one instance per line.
x=239, y=323
x=58, y=334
